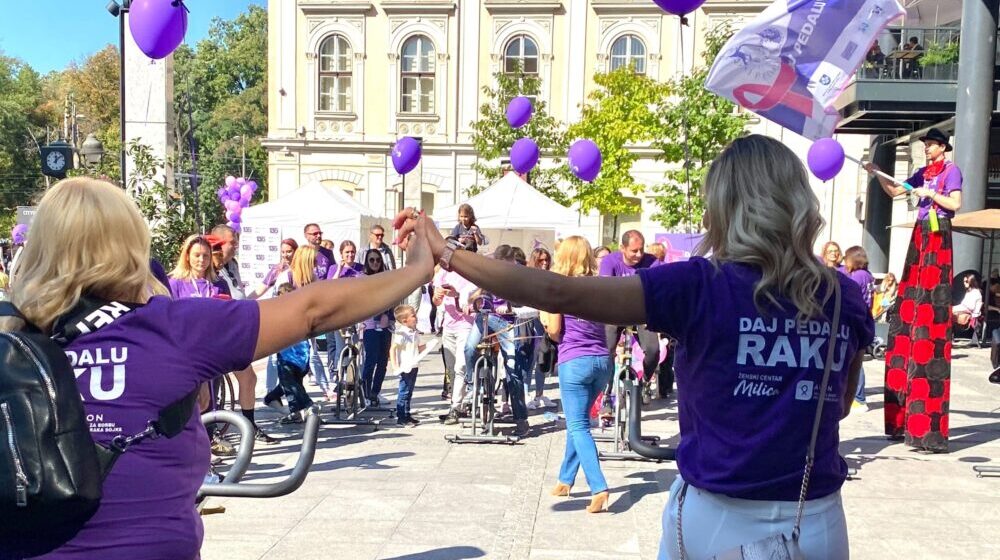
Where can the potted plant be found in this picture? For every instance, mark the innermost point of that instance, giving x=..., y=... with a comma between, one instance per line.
x=940, y=61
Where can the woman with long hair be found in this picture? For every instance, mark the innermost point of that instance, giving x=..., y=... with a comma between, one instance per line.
x=347, y=268
x=918, y=382
x=304, y=273
x=972, y=302
x=97, y=245
x=753, y=323
x=584, y=371
x=280, y=270
x=194, y=276
x=377, y=336
x=831, y=255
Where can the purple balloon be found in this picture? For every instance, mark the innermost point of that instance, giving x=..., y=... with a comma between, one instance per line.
x=241, y=181
x=230, y=181
x=519, y=111
x=234, y=196
x=244, y=201
x=234, y=225
x=826, y=158
x=253, y=186
x=584, y=159
x=19, y=234
x=679, y=7
x=222, y=192
x=524, y=155
x=245, y=190
x=158, y=26
x=405, y=155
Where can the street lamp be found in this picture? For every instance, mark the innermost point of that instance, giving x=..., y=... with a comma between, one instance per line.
x=119, y=10
x=92, y=150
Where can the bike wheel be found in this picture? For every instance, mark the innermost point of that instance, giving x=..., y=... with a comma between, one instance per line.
x=353, y=388
x=488, y=403
x=225, y=399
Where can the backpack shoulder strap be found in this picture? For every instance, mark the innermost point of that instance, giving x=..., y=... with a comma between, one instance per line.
x=8, y=309
x=89, y=315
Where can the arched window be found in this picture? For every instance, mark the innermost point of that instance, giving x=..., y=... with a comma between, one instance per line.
x=521, y=51
x=335, y=80
x=628, y=50
x=417, y=75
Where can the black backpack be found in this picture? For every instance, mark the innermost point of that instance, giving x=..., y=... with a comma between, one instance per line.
x=51, y=470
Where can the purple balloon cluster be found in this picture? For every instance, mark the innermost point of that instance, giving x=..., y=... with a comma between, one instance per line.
x=584, y=156
x=19, y=234
x=235, y=196
x=158, y=26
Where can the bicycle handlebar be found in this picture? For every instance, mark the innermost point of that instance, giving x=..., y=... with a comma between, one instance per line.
x=234, y=489
x=635, y=441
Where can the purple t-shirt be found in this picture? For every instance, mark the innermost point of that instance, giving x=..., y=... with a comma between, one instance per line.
x=865, y=281
x=127, y=372
x=613, y=264
x=326, y=265
x=348, y=270
x=749, y=382
x=197, y=288
x=159, y=273
x=949, y=181
x=272, y=275
x=580, y=338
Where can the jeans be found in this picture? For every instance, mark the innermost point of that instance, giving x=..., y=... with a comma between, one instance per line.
x=860, y=394
x=453, y=342
x=407, y=381
x=580, y=381
x=714, y=523
x=517, y=357
x=316, y=365
x=271, y=380
x=376, y=343
x=290, y=387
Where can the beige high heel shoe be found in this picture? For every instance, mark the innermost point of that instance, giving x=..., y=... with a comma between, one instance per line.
x=561, y=489
x=599, y=502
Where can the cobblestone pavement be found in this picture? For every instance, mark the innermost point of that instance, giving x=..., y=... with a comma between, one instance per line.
x=406, y=493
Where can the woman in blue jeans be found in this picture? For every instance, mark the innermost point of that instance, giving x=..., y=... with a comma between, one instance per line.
x=584, y=371
x=377, y=337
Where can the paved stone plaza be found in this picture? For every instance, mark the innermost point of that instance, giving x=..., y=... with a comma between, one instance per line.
x=406, y=493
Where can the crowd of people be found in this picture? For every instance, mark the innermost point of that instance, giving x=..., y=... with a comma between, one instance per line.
x=731, y=312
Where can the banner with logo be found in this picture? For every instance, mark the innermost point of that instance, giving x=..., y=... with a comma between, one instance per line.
x=259, y=250
x=679, y=246
x=791, y=62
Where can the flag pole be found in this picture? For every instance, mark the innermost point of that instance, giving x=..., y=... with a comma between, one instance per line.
x=903, y=184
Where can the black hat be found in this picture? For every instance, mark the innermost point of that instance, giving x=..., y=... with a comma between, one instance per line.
x=937, y=136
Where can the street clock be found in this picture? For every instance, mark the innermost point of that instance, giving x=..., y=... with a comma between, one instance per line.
x=57, y=159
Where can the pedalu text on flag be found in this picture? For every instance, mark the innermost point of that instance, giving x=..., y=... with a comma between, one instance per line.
x=791, y=62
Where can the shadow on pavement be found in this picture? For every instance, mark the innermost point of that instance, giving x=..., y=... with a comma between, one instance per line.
x=449, y=553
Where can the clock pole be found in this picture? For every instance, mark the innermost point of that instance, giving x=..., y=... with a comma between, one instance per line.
x=119, y=10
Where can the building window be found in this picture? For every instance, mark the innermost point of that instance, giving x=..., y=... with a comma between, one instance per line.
x=628, y=50
x=335, y=78
x=521, y=52
x=417, y=75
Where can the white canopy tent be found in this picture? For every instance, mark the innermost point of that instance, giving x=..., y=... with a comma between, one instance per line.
x=265, y=225
x=512, y=211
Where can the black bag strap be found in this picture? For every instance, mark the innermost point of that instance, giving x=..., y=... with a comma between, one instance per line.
x=88, y=315
x=8, y=309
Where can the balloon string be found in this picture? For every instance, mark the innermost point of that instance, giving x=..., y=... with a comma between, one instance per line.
x=681, y=22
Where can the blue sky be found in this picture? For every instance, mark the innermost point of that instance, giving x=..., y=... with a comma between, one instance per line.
x=49, y=34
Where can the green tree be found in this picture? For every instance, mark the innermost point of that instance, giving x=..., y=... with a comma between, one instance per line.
x=22, y=115
x=166, y=211
x=619, y=117
x=697, y=125
x=220, y=99
x=493, y=137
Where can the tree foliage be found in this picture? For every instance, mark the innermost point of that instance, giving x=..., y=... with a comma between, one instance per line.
x=493, y=137
x=220, y=100
x=23, y=115
x=620, y=115
x=696, y=126
x=168, y=212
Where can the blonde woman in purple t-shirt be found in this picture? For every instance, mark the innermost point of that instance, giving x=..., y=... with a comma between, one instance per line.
x=97, y=244
x=752, y=325
x=583, y=372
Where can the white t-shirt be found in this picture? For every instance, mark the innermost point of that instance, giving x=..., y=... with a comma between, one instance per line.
x=972, y=303
x=406, y=345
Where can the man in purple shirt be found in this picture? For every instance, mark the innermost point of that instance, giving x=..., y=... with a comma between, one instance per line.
x=326, y=264
x=629, y=259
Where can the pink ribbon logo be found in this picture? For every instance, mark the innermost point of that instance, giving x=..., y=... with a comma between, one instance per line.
x=778, y=92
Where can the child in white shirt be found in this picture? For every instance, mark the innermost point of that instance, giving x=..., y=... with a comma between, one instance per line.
x=404, y=354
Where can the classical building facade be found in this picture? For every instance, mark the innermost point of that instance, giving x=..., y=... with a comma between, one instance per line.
x=347, y=78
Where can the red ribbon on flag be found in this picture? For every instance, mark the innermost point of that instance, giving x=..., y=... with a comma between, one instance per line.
x=778, y=92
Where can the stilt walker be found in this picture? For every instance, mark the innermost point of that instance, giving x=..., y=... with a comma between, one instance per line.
x=918, y=358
